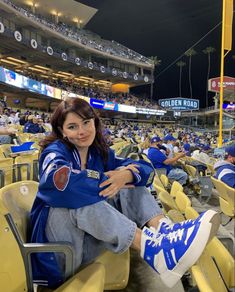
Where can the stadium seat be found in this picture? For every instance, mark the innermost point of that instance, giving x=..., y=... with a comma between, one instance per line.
x=190, y=213
x=16, y=200
x=182, y=201
x=157, y=185
x=191, y=170
x=226, y=197
x=175, y=215
x=165, y=181
x=210, y=169
x=215, y=269
x=7, y=171
x=27, y=166
x=133, y=156
x=117, y=268
x=5, y=150
x=175, y=187
x=167, y=201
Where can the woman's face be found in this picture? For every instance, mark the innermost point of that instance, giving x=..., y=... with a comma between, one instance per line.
x=80, y=132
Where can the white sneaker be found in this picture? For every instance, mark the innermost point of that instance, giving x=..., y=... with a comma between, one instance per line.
x=172, y=249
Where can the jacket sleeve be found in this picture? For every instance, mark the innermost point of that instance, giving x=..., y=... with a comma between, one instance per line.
x=62, y=186
x=146, y=171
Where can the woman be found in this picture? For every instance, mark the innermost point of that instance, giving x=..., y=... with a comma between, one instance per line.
x=97, y=201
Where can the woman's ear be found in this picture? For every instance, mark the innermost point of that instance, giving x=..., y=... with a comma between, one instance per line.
x=61, y=131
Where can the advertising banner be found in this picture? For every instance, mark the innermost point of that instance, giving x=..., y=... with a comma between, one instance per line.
x=228, y=84
x=97, y=103
x=126, y=108
x=15, y=79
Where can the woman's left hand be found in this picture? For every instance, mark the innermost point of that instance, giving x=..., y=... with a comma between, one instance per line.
x=117, y=179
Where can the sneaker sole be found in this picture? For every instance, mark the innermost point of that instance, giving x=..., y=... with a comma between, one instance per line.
x=210, y=223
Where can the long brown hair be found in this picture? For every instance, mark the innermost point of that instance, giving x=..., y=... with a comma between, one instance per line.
x=83, y=110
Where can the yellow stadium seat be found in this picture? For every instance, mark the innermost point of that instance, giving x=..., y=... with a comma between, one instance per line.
x=175, y=215
x=175, y=187
x=157, y=185
x=6, y=171
x=167, y=201
x=27, y=166
x=182, y=201
x=226, y=197
x=218, y=251
x=190, y=213
x=5, y=150
x=16, y=200
x=215, y=269
x=165, y=181
x=191, y=170
x=117, y=268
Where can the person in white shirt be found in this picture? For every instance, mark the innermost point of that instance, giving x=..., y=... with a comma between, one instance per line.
x=169, y=144
x=5, y=131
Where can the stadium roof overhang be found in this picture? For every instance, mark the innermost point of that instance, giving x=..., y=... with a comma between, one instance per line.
x=66, y=11
x=45, y=65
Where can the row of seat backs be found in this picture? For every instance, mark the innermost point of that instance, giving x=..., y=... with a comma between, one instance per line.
x=22, y=167
x=226, y=197
x=178, y=207
x=110, y=271
x=215, y=269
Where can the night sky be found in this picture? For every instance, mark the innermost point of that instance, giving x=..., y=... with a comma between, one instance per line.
x=167, y=29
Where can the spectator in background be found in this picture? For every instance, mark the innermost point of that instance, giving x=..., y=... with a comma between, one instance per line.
x=186, y=146
x=29, y=122
x=225, y=170
x=6, y=132
x=176, y=148
x=32, y=126
x=169, y=141
x=122, y=134
x=40, y=125
x=160, y=160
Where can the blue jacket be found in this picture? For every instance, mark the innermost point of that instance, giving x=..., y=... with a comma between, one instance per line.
x=225, y=171
x=32, y=128
x=157, y=158
x=64, y=185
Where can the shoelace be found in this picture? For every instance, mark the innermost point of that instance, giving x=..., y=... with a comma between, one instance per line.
x=180, y=224
x=156, y=241
x=175, y=235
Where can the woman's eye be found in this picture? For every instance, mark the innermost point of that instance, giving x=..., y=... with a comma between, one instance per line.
x=86, y=122
x=72, y=127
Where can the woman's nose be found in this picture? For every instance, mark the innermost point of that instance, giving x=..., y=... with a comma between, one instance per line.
x=81, y=130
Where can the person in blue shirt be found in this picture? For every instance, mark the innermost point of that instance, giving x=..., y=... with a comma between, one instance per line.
x=32, y=126
x=186, y=146
x=225, y=169
x=160, y=160
x=97, y=201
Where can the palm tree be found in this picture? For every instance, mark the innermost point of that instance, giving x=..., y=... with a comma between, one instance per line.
x=156, y=62
x=180, y=64
x=189, y=53
x=208, y=51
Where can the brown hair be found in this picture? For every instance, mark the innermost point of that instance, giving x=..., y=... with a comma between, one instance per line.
x=83, y=110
